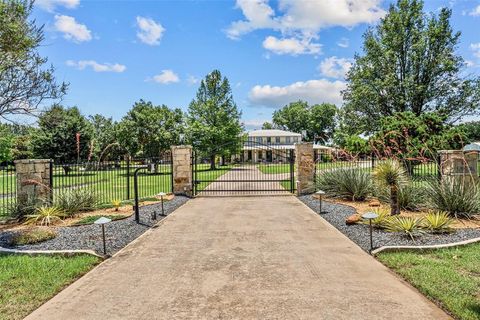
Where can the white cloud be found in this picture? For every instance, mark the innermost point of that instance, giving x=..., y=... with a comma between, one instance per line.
x=166, y=77
x=192, y=80
x=334, y=67
x=258, y=14
x=343, y=43
x=97, y=67
x=312, y=91
x=50, y=5
x=475, y=47
x=475, y=11
x=150, y=32
x=251, y=124
x=71, y=29
x=291, y=46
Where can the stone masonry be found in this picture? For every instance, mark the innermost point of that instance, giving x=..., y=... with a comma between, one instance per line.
x=33, y=181
x=182, y=171
x=459, y=165
x=305, y=168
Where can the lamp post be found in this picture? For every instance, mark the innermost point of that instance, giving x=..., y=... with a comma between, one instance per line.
x=370, y=216
x=319, y=194
x=161, y=195
x=102, y=221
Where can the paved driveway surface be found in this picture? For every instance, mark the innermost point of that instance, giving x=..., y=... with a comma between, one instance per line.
x=240, y=258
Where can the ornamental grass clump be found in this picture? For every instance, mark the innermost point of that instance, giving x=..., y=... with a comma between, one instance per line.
x=76, y=200
x=45, y=216
x=391, y=175
x=410, y=196
x=350, y=183
x=457, y=197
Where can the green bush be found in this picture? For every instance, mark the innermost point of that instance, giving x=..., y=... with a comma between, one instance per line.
x=76, y=200
x=350, y=183
x=456, y=197
x=410, y=196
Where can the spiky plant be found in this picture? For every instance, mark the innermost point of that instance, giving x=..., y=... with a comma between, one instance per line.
x=391, y=174
x=351, y=183
x=45, y=216
x=382, y=219
x=437, y=222
x=409, y=226
x=116, y=204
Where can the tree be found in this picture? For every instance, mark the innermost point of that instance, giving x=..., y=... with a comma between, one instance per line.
x=64, y=135
x=317, y=120
x=15, y=142
x=213, y=118
x=409, y=64
x=24, y=81
x=471, y=130
x=105, y=140
x=148, y=130
x=6, y=144
x=391, y=174
x=267, y=126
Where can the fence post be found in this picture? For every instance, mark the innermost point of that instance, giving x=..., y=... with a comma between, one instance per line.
x=305, y=167
x=373, y=161
x=52, y=164
x=33, y=181
x=128, y=178
x=182, y=171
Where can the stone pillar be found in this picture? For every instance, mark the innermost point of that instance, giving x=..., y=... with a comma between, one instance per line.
x=33, y=182
x=304, y=168
x=182, y=170
x=459, y=165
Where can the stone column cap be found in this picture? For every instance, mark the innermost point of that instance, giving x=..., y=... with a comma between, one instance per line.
x=27, y=161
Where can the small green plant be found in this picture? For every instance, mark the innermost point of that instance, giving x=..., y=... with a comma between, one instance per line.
x=350, y=183
x=391, y=174
x=92, y=219
x=32, y=236
x=409, y=226
x=457, y=197
x=76, y=200
x=116, y=204
x=382, y=219
x=45, y=216
x=410, y=196
x=437, y=222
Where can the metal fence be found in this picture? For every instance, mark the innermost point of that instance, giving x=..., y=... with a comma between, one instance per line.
x=8, y=188
x=113, y=180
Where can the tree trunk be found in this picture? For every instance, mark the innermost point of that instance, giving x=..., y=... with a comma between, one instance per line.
x=212, y=162
x=394, y=207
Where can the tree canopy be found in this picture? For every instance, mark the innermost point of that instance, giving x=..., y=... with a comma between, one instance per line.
x=213, y=117
x=409, y=64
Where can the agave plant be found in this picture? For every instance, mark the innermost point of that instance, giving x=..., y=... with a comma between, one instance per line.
x=407, y=225
x=352, y=183
x=410, y=196
x=391, y=174
x=116, y=204
x=45, y=216
x=381, y=221
x=437, y=222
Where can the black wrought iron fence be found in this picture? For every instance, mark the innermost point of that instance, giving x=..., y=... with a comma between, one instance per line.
x=8, y=189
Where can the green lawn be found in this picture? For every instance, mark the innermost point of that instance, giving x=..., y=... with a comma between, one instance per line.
x=450, y=276
x=205, y=173
x=274, y=168
x=27, y=282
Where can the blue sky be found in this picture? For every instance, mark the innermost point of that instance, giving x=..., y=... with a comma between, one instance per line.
x=114, y=53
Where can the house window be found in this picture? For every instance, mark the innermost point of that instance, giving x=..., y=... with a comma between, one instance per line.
x=277, y=140
x=269, y=139
x=295, y=139
x=287, y=140
x=259, y=139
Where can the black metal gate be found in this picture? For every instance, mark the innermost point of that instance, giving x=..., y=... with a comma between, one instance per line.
x=251, y=168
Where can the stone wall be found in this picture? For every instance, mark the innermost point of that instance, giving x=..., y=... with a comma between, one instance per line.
x=182, y=170
x=459, y=165
x=305, y=168
x=33, y=181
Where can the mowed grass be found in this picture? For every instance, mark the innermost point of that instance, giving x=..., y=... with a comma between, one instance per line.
x=451, y=277
x=205, y=173
x=27, y=282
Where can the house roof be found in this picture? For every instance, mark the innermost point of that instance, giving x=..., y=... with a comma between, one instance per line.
x=474, y=146
x=273, y=133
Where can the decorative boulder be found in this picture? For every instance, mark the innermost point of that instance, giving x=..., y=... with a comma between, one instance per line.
x=354, y=218
x=374, y=203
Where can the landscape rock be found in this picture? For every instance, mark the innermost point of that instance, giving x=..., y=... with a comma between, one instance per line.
x=354, y=218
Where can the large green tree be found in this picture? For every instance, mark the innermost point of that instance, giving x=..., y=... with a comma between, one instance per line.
x=471, y=130
x=409, y=63
x=213, y=118
x=25, y=82
x=317, y=120
x=149, y=130
x=105, y=139
x=64, y=135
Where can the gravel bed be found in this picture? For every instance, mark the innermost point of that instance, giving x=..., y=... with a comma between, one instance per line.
x=336, y=214
x=118, y=233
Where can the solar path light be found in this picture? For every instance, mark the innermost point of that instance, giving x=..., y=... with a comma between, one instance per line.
x=161, y=195
x=370, y=216
x=320, y=194
x=102, y=221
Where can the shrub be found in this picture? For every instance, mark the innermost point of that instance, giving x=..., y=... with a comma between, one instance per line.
x=407, y=225
x=437, y=222
x=454, y=196
x=76, y=200
x=351, y=183
x=116, y=204
x=382, y=219
x=391, y=174
x=410, y=197
x=32, y=236
x=45, y=216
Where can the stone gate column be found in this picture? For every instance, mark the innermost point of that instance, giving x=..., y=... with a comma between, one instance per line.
x=33, y=182
x=459, y=164
x=304, y=168
x=182, y=170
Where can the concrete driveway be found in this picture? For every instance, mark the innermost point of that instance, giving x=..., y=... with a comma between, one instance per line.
x=241, y=258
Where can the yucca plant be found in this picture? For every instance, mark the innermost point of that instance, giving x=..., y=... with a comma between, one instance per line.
x=437, y=222
x=391, y=174
x=116, y=204
x=410, y=197
x=456, y=197
x=45, y=216
x=409, y=226
x=382, y=219
x=76, y=200
x=351, y=183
